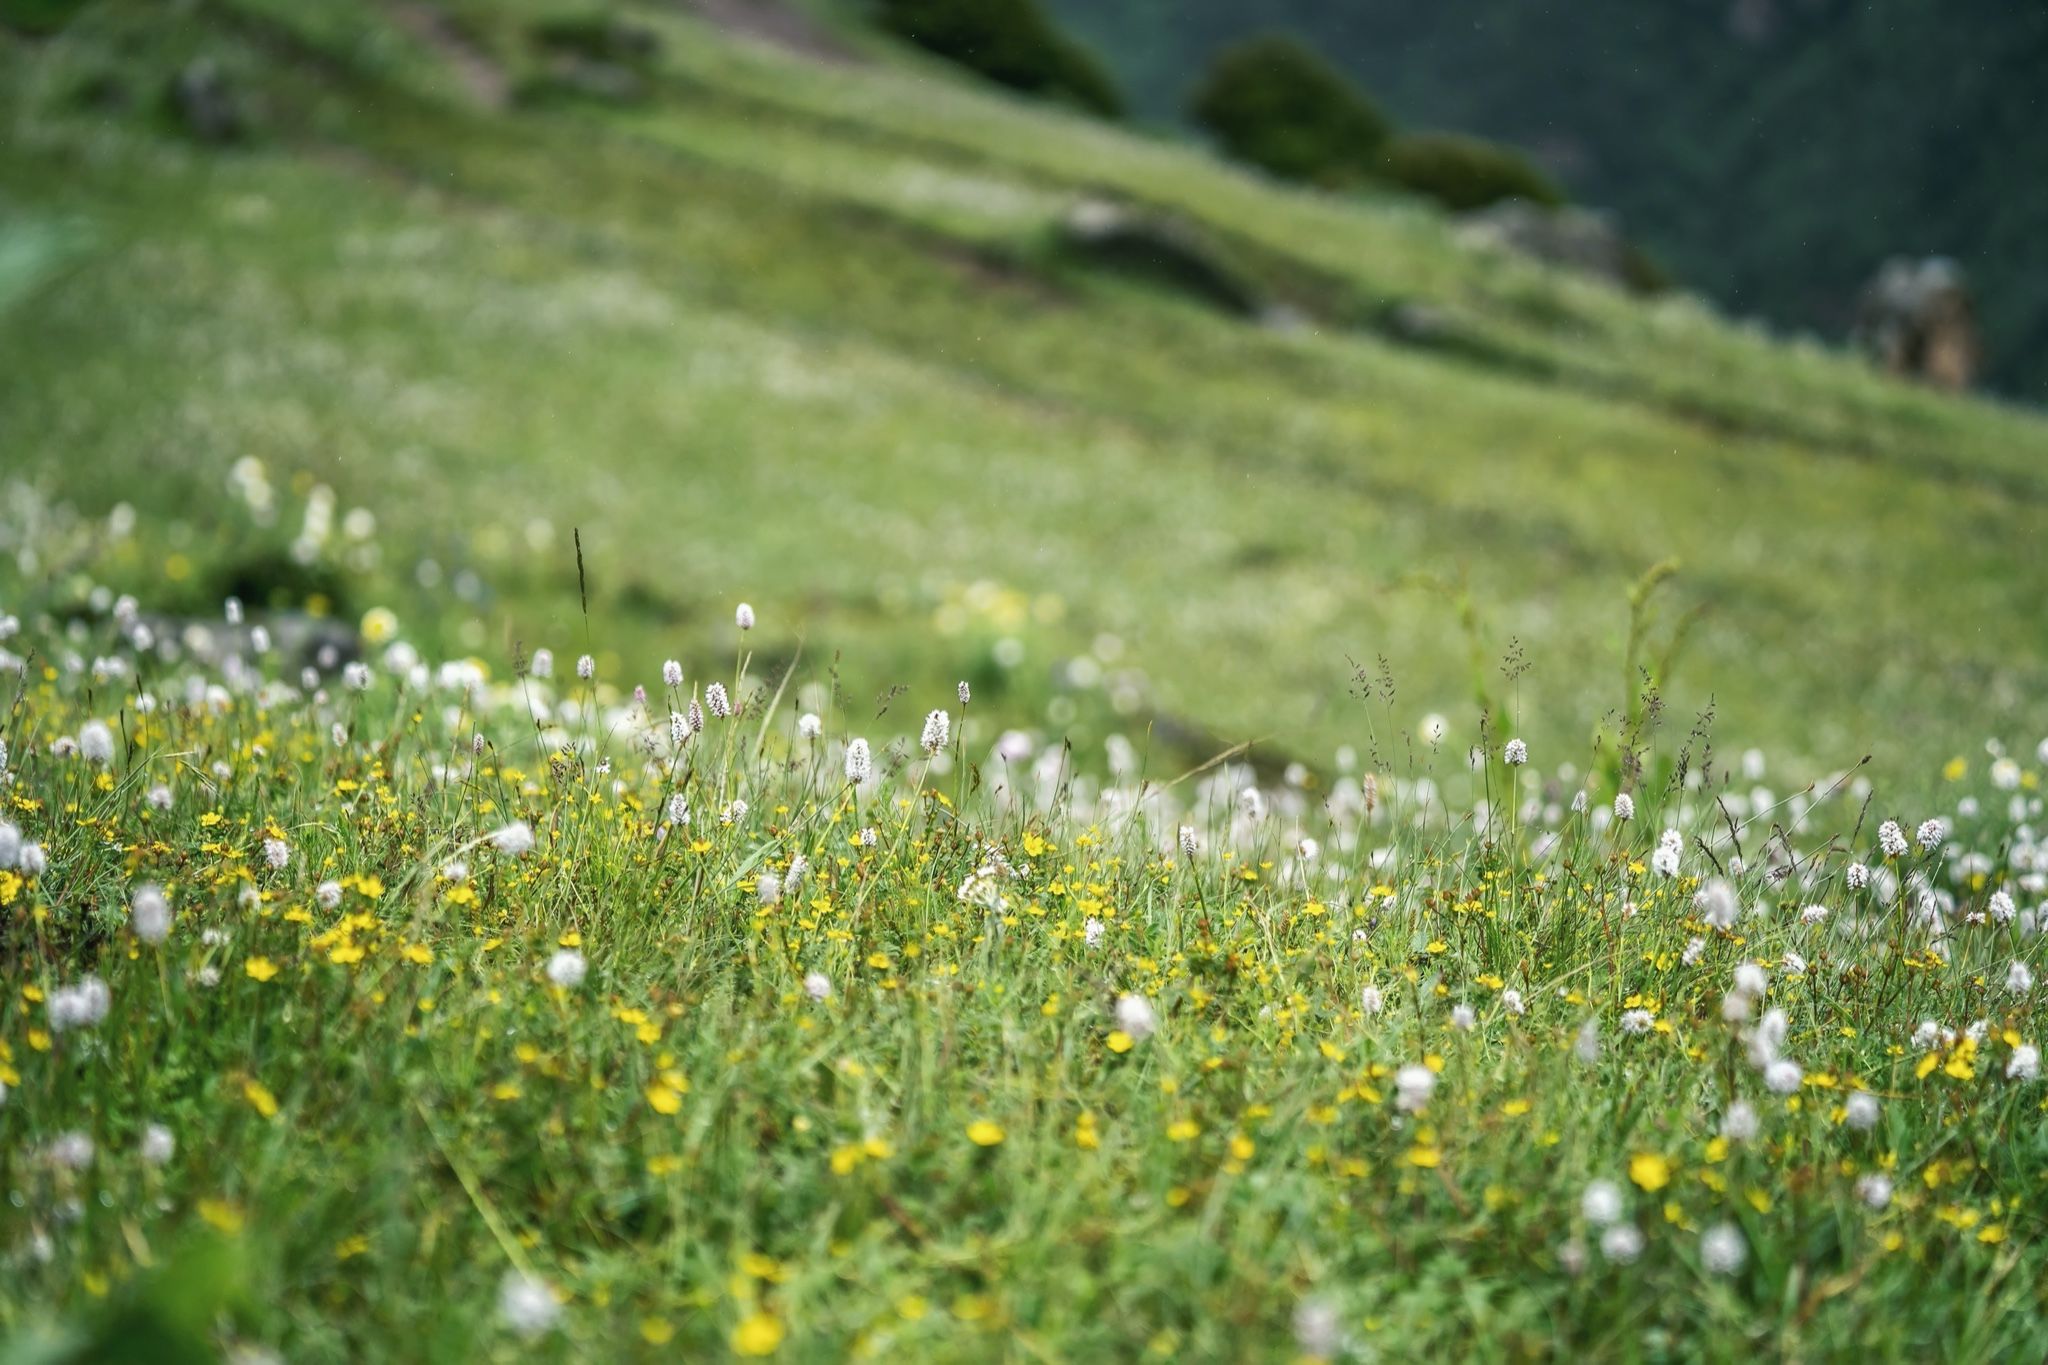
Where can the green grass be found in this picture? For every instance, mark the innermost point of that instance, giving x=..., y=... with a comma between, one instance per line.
x=801, y=333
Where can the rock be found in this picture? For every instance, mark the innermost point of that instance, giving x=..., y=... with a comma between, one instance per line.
x=206, y=105
x=1916, y=319
x=1160, y=250
x=1587, y=241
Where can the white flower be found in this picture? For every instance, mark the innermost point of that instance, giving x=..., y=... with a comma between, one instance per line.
x=277, y=853
x=1783, y=1076
x=1516, y=753
x=1586, y=1047
x=73, y=1151
x=799, y=868
x=1860, y=1110
x=678, y=809
x=2025, y=1064
x=964, y=692
x=1371, y=1001
x=1750, y=979
x=1665, y=861
x=768, y=887
x=1318, y=1330
x=1189, y=845
x=586, y=667
x=1621, y=1243
x=149, y=914
x=515, y=839
x=1434, y=728
x=1795, y=965
x=1413, y=1085
x=34, y=862
x=1926, y=1036
x=455, y=870
x=158, y=1146
x=2019, y=978
x=809, y=726
x=1813, y=914
x=2002, y=908
x=1092, y=932
x=1722, y=1250
x=860, y=764
x=10, y=845
x=1624, y=807
x=96, y=742
x=868, y=837
x=671, y=673
x=1511, y=1001
x=1716, y=903
x=734, y=812
x=938, y=729
x=1251, y=804
x=567, y=968
x=1463, y=1018
x=1601, y=1203
x=527, y=1306
x=1134, y=1016
x=1891, y=840
x=743, y=616
x=716, y=701
x=1857, y=875
x=1875, y=1191
x=81, y=1005
x=543, y=664
x=158, y=797
x=328, y=894
x=818, y=986
x=1637, y=1022
x=1930, y=835
x=1739, y=1122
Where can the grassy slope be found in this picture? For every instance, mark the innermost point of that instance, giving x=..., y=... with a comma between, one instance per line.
x=797, y=334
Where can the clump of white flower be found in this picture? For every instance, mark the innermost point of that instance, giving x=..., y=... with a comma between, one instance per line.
x=743, y=616
x=1716, y=903
x=1669, y=848
x=1601, y=1204
x=96, y=743
x=860, y=763
x=1622, y=1243
x=82, y=1004
x=717, y=701
x=277, y=854
x=817, y=986
x=671, y=673
x=938, y=730
x=328, y=895
x=1875, y=1191
x=1739, y=1122
x=1624, y=807
x=1930, y=835
x=515, y=840
x=567, y=969
x=1092, y=932
x=1371, y=1001
x=1860, y=1110
x=1891, y=840
x=1515, y=753
x=1413, y=1085
x=1857, y=875
x=1722, y=1250
x=149, y=914
x=528, y=1306
x=157, y=1146
x=809, y=725
x=2024, y=1064
x=586, y=667
x=1134, y=1015
x=2019, y=978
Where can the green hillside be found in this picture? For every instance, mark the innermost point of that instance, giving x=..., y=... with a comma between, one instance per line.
x=806, y=333
x=1772, y=153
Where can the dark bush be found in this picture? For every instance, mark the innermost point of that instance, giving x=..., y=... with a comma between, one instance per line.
x=1464, y=173
x=1011, y=42
x=1272, y=102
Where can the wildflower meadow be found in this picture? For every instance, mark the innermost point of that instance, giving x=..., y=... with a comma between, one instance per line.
x=508, y=1007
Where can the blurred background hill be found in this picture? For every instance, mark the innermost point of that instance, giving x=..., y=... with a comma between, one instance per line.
x=1771, y=153
x=371, y=305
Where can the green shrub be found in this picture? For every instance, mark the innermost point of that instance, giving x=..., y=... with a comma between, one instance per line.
x=38, y=16
x=1011, y=42
x=1274, y=103
x=1463, y=173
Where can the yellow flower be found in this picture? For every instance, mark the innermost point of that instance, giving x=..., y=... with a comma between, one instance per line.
x=757, y=1335
x=260, y=968
x=1183, y=1130
x=1425, y=1157
x=221, y=1214
x=656, y=1331
x=983, y=1133
x=1119, y=1041
x=259, y=1096
x=418, y=952
x=1649, y=1171
x=664, y=1099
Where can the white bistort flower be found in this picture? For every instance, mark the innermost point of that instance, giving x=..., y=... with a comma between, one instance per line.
x=716, y=701
x=96, y=742
x=1624, y=807
x=157, y=1146
x=1516, y=753
x=527, y=1306
x=2019, y=978
x=1739, y=1122
x=817, y=986
x=80, y=1005
x=809, y=726
x=1371, y=1001
x=1722, y=1250
x=743, y=616
x=1930, y=835
x=860, y=764
x=671, y=673
x=1860, y=1110
x=1601, y=1205
x=938, y=729
x=1622, y=1243
x=1891, y=840
x=2025, y=1063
